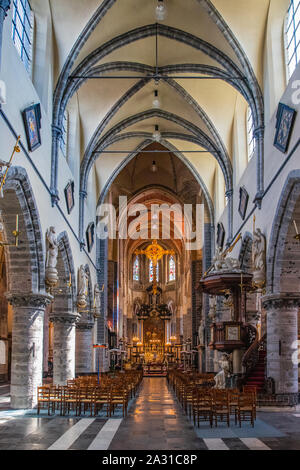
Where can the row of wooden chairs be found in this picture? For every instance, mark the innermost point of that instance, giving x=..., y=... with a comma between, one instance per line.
x=83, y=395
x=214, y=405
x=201, y=401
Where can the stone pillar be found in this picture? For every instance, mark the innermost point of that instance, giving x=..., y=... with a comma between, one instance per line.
x=64, y=347
x=229, y=196
x=56, y=136
x=259, y=133
x=84, y=348
x=4, y=7
x=27, y=347
x=282, y=343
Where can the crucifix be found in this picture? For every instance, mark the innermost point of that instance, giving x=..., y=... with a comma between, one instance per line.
x=154, y=252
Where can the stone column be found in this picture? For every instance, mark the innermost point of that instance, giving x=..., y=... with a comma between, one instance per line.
x=27, y=347
x=64, y=346
x=4, y=7
x=84, y=347
x=282, y=343
x=259, y=133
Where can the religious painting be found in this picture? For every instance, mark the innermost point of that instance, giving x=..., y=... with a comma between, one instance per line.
x=220, y=235
x=69, y=195
x=136, y=269
x=244, y=198
x=285, y=119
x=232, y=333
x=90, y=232
x=32, y=123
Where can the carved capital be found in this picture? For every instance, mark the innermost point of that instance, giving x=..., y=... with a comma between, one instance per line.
x=56, y=132
x=85, y=325
x=5, y=6
x=259, y=132
x=83, y=194
x=229, y=193
x=66, y=318
x=283, y=301
x=30, y=300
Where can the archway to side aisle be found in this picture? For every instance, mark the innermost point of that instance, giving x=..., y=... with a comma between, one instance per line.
x=23, y=279
x=154, y=177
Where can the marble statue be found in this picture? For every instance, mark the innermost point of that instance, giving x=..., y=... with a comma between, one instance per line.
x=82, y=288
x=218, y=260
x=51, y=248
x=225, y=372
x=201, y=330
x=259, y=251
x=82, y=281
x=51, y=274
x=212, y=307
x=220, y=263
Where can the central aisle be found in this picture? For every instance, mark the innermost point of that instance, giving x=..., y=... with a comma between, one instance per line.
x=156, y=422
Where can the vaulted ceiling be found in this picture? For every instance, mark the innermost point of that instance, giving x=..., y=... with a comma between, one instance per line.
x=221, y=41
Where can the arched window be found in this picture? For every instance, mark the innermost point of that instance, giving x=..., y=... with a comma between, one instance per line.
x=172, y=269
x=250, y=134
x=292, y=36
x=136, y=269
x=151, y=272
x=22, y=31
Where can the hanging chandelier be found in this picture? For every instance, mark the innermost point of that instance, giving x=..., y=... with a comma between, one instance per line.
x=156, y=104
x=156, y=134
x=160, y=10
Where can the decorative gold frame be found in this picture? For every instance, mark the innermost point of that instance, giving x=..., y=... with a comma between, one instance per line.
x=237, y=327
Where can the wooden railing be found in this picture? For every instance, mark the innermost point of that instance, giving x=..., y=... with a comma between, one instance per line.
x=251, y=356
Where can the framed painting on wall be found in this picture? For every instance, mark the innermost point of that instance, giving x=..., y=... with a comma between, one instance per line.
x=284, y=125
x=32, y=124
x=244, y=198
x=220, y=235
x=69, y=195
x=90, y=231
x=232, y=333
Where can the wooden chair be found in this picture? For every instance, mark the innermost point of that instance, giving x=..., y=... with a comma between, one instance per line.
x=85, y=399
x=246, y=409
x=251, y=389
x=43, y=399
x=101, y=399
x=202, y=407
x=119, y=396
x=233, y=396
x=221, y=408
x=70, y=400
x=56, y=398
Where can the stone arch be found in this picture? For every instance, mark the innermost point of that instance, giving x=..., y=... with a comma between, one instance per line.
x=282, y=243
x=26, y=264
x=64, y=91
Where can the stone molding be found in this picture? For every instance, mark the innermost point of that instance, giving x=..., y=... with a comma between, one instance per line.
x=85, y=326
x=286, y=301
x=5, y=5
x=38, y=300
x=67, y=318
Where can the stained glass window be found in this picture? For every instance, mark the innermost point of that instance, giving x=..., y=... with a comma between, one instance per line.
x=136, y=269
x=172, y=269
x=250, y=133
x=292, y=36
x=151, y=272
x=22, y=30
